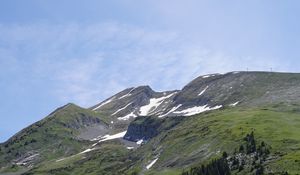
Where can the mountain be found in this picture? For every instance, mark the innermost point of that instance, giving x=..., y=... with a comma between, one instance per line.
x=123, y=107
x=244, y=122
x=63, y=132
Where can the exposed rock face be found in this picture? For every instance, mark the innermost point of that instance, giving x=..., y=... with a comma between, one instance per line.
x=142, y=129
x=83, y=121
x=92, y=131
x=27, y=159
x=136, y=96
x=125, y=106
x=249, y=88
x=145, y=128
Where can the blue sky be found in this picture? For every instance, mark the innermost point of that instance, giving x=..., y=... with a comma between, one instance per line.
x=57, y=51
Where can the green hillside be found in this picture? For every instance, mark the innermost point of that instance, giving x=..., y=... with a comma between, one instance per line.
x=201, y=138
x=245, y=123
x=197, y=140
x=52, y=137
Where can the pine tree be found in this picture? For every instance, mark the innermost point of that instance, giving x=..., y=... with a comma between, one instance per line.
x=215, y=167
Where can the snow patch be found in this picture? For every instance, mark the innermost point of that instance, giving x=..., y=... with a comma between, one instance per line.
x=87, y=150
x=108, y=137
x=154, y=103
x=27, y=160
x=196, y=110
x=209, y=75
x=121, y=109
x=102, y=104
x=234, y=104
x=128, y=94
x=203, y=91
x=97, y=138
x=130, y=147
x=60, y=159
x=139, y=142
x=102, y=139
x=111, y=137
x=126, y=117
x=151, y=164
x=169, y=112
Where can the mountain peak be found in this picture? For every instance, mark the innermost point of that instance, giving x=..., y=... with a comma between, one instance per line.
x=136, y=115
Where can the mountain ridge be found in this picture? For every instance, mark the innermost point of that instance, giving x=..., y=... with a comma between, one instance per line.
x=138, y=118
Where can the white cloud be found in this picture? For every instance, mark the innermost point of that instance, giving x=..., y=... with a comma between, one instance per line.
x=87, y=63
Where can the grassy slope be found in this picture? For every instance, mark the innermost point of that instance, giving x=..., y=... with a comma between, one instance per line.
x=110, y=158
x=196, y=140
x=50, y=137
x=202, y=137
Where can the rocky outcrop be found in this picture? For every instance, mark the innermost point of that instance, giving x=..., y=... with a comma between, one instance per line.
x=145, y=128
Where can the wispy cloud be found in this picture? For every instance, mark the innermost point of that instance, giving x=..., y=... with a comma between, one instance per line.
x=87, y=63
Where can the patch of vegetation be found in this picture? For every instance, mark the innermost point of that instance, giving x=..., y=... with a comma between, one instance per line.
x=201, y=138
x=52, y=137
x=215, y=167
x=250, y=157
x=194, y=141
x=109, y=158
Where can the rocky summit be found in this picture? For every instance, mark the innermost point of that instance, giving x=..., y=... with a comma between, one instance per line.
x=233, y=123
